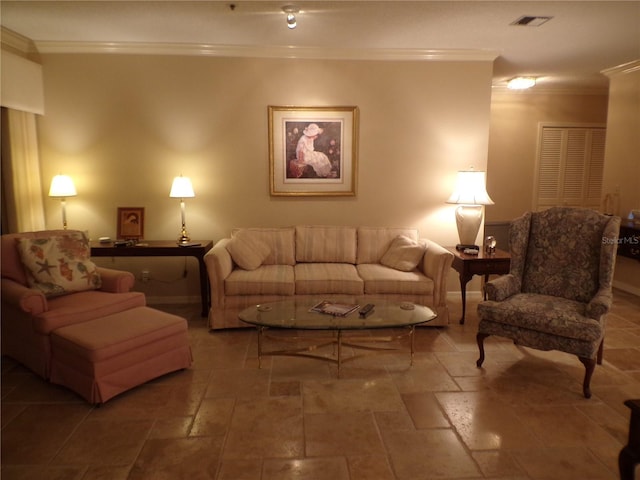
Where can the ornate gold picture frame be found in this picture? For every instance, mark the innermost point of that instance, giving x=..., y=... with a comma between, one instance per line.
x=313, y=151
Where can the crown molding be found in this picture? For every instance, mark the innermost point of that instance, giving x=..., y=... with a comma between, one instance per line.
x=622, y=69
x=19, y=44
x=551, y=90
x=134, y=48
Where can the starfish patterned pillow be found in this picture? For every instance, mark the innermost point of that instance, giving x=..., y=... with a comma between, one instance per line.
x=59, y=265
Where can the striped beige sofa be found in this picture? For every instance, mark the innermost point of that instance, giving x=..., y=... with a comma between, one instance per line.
x=260, y=265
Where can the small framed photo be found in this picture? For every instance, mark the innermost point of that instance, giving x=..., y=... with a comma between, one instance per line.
x=313, y=151
x=130, y=223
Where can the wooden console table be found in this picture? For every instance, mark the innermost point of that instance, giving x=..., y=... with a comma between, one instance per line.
x=163, y=248
x=467, y=266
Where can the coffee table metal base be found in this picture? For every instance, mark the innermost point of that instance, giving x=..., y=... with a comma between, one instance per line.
x=338, y=343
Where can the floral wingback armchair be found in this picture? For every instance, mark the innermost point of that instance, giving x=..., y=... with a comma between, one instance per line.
x=559, y=286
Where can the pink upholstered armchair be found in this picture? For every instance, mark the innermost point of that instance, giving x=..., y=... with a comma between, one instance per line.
x=558, y=291
x=30, y=313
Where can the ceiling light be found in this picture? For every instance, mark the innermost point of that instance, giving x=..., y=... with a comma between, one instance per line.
x=521, y=83
x=291, y=11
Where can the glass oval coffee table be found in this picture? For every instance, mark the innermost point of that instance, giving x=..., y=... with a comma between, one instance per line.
x=297, y=314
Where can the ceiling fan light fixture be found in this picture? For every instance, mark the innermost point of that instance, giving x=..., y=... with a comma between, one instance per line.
x=521, y=83
x=291, y=11
x=291, y=20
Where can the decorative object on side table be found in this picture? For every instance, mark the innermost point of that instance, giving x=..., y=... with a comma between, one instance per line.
x=313, y=151
x=182, y=188
x=62, y=187
x=490, y=245
x=130, y=223
x=471, y=194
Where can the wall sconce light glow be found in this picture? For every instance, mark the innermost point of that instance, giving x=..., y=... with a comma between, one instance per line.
x=291, y=11
x=521, y=83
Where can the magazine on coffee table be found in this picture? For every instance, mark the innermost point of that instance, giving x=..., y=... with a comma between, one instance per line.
x=335, y=309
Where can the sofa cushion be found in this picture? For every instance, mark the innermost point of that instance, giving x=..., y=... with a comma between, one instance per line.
x=247, y=250
x=59, y=264
x=328, y=244
x=265, y=280
x=379, y=280
x=281, y=242
x=321, y=278
x=373, y=242
x=403, y=254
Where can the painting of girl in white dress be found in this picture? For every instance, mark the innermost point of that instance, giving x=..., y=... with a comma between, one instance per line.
x=313, y=149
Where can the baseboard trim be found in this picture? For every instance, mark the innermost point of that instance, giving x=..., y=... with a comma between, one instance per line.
x=457, y=295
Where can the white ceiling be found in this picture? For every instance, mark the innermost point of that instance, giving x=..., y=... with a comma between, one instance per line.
x=568, y=52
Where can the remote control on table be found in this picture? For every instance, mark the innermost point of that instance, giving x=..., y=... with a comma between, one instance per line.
x=366, y=310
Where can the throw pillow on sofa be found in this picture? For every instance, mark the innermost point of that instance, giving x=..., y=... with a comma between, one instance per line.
x=403, y=254
x=60, y=264
x=247, y=251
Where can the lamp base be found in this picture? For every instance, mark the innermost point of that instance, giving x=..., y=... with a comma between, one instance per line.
x=468, y=220
x=460, y=247
x=184, y=237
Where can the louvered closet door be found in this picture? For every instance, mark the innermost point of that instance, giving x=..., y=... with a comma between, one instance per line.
x=569, y=167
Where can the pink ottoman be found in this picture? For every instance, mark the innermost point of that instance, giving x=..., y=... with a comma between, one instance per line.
x=101, y=358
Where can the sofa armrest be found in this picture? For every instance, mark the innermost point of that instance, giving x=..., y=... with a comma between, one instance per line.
x=219, y=267
x=436, y=263
x=116, y=281
x=501, y=288
x=27, y=299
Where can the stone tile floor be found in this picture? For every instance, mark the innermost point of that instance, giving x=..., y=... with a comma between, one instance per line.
x=520, y=417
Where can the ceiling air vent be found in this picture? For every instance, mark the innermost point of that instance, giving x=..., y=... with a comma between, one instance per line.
x=531, y=21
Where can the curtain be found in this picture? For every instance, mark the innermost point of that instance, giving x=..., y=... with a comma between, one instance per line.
x=22, y=202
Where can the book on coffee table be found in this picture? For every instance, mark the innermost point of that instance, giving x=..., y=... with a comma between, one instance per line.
x=335, y=309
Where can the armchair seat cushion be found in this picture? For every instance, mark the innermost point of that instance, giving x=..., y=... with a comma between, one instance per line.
x=543, y=313
x=83, y=306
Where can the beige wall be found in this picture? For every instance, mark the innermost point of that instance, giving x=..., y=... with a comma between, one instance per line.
x=513, y=137
x=622, y=158
x=123, y=126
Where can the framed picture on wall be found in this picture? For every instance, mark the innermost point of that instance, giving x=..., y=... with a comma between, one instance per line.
x=313, y=151
x=130, y=223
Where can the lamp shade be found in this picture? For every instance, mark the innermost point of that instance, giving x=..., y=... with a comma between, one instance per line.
x=62, y=186
x=470, y=189
x=181, y=188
